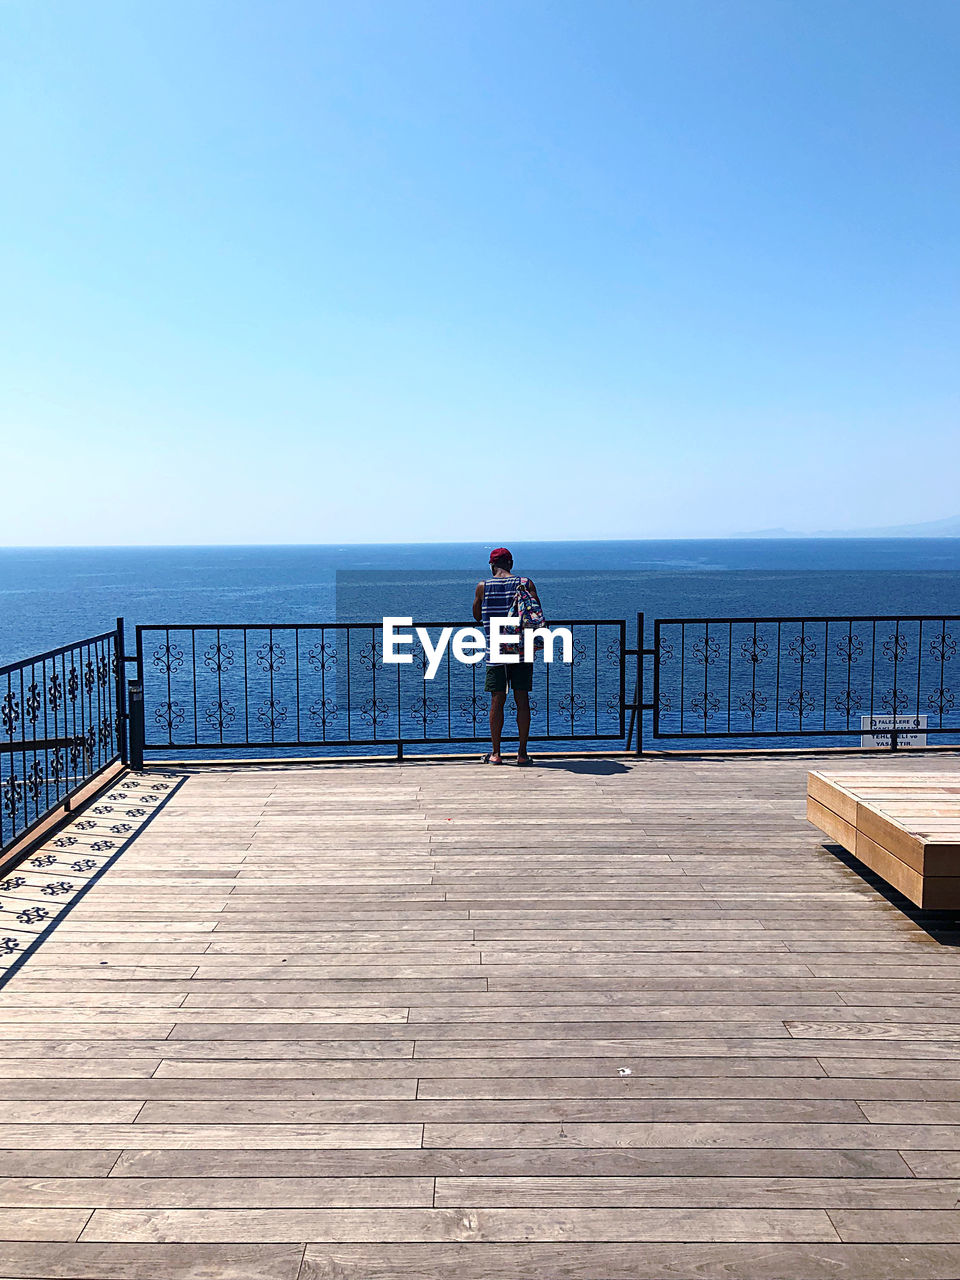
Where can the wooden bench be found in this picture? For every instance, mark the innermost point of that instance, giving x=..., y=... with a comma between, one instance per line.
x=903, y=826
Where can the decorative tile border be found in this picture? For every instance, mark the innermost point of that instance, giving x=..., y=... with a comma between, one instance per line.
x=38, y=894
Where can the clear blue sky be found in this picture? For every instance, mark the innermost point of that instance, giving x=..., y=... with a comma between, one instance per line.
x=317, y=272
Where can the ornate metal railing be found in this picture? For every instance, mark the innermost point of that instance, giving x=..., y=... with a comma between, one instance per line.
x=61, y=724
x=219, y=688
x=805, y=677
x=324, y=688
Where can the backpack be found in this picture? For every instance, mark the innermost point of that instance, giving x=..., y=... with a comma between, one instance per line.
x=528, y=609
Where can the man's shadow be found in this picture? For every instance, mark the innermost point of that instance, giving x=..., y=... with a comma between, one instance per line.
x=595, y=767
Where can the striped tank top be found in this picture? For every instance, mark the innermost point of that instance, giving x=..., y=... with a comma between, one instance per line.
x=498, y=594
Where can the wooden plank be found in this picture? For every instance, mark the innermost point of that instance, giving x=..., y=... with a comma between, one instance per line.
x=905, y=879
x=33, y=1165
x=883, y=830
x=597, y=1134
x=236, y=1193
x=829, y=793
x=279, y=1226
x=493, y=1111
x=637, y=1162
x=832, y=824
x=936, y=1226
x=173, y=1137
x=43, y=1223
x=159, y=1262
x=726, y=1192
x=576, y=1261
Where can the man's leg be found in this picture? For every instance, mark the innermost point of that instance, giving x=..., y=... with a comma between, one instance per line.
x=497, y=701
x=523, y=720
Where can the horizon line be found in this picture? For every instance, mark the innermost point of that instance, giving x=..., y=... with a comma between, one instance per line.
x=449, y=542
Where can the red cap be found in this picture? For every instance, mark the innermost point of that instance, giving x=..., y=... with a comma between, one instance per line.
x=500, y=553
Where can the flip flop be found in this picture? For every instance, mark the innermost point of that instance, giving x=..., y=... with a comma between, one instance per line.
x=523, y=761
x=486, y=759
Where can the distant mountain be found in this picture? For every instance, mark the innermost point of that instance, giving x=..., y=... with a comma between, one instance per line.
x=772, y=533
x=948, y=528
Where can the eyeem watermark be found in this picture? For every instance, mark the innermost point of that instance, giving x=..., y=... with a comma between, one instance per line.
x=469, y=645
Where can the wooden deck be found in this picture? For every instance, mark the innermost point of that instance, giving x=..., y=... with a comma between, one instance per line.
x=590, y=1021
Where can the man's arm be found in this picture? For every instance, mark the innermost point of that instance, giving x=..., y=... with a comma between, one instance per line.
x=478, y=603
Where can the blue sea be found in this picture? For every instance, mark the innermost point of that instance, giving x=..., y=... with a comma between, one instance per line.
x=50, y=596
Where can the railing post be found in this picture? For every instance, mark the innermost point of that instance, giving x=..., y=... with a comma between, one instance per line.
x=120, y=677
x=136, y=725
x=628, y=742
x=638, y=696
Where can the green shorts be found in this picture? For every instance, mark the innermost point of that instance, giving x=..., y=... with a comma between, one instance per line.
x=519, y=675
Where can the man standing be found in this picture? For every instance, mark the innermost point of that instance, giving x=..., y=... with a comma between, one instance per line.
x=494, y=599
